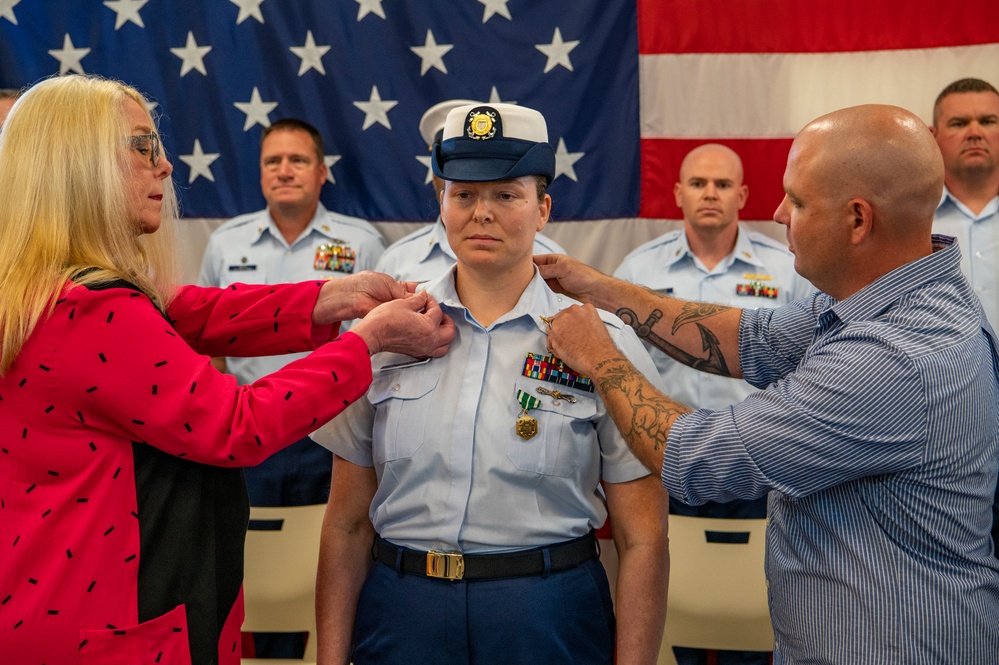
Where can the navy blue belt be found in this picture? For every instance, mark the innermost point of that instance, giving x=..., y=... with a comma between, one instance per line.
x=539, y=561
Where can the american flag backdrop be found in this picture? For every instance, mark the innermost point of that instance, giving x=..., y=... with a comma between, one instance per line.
x=627, y=88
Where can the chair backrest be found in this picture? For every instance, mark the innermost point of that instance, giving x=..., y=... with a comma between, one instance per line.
x=717, y=586
x=279, y=578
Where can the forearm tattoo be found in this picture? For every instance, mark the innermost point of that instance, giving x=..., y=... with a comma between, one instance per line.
x=692, y=312
x=695, y=311
x=652, y=413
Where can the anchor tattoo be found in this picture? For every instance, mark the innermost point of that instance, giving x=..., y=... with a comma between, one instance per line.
x=715, y=361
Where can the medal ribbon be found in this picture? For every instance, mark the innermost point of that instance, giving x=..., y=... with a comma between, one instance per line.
x=527, y=400
x=552, y=369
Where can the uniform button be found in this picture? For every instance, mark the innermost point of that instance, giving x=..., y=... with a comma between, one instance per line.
x=978, y=255
x=396, y=387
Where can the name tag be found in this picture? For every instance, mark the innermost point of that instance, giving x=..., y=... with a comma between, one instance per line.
x=242, y=268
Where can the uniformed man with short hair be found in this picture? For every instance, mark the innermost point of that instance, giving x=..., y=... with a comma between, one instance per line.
x=293, y=239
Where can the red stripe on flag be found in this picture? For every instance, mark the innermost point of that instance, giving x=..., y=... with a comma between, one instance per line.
x=763, y=161
x=812, y=26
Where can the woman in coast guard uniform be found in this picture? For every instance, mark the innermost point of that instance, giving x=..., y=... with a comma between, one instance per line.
x=466, y=488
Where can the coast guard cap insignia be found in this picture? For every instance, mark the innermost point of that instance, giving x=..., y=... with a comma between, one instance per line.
x=481, y=125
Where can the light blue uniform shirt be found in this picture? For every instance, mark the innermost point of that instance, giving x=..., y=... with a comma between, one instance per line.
x=878, y=433
x=452, y=472
x=251, y=249
x=425, y=254
x=667, y=265
x=978, y=236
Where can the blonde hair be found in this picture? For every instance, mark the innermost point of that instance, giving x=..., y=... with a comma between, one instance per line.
x=65, y=187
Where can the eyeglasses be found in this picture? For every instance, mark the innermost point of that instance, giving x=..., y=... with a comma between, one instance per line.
x=146, y=144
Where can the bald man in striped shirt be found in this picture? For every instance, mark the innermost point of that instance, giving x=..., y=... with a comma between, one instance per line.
x=876, y=429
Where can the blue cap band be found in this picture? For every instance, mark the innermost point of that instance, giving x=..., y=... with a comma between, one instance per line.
x=468, y=160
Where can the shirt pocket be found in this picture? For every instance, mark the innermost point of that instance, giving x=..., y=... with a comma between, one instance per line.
x=565, y=430
x=403, y=401
x=162, y=640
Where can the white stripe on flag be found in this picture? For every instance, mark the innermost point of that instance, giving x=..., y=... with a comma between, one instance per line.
x=773, y=95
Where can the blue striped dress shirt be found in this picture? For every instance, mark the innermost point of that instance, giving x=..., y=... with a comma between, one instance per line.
x=878, y=431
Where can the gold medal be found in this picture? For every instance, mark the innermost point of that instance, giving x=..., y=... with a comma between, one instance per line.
x=526, y=425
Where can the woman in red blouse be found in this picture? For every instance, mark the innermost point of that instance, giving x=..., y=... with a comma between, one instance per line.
x=122, y=506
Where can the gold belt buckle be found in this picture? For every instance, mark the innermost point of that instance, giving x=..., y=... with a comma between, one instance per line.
x=445, y=565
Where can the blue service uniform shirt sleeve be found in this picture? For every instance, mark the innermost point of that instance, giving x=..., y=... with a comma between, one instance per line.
x=349, y=435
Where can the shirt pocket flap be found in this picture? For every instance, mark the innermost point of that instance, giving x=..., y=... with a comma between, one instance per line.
x=584, y=406
x=404, y=384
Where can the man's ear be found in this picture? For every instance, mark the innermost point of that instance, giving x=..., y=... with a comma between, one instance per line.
x=862, y=220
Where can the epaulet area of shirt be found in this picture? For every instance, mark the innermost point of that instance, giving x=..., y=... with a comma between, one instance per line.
x=654, y=244
x=403, y=243
x=238, y=221
x=353, y=222
x=769, y=242
x=548, y=244
x=402, y=247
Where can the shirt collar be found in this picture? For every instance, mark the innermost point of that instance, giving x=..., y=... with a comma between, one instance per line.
x=536, y=299
x=943, y=264
x=679, y=249
x=742, y=251
x=319, y=223
x=947, y=199
x=945, y=196
x=436, y=238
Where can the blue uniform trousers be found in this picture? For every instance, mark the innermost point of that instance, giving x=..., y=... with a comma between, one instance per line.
x=564, y=617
